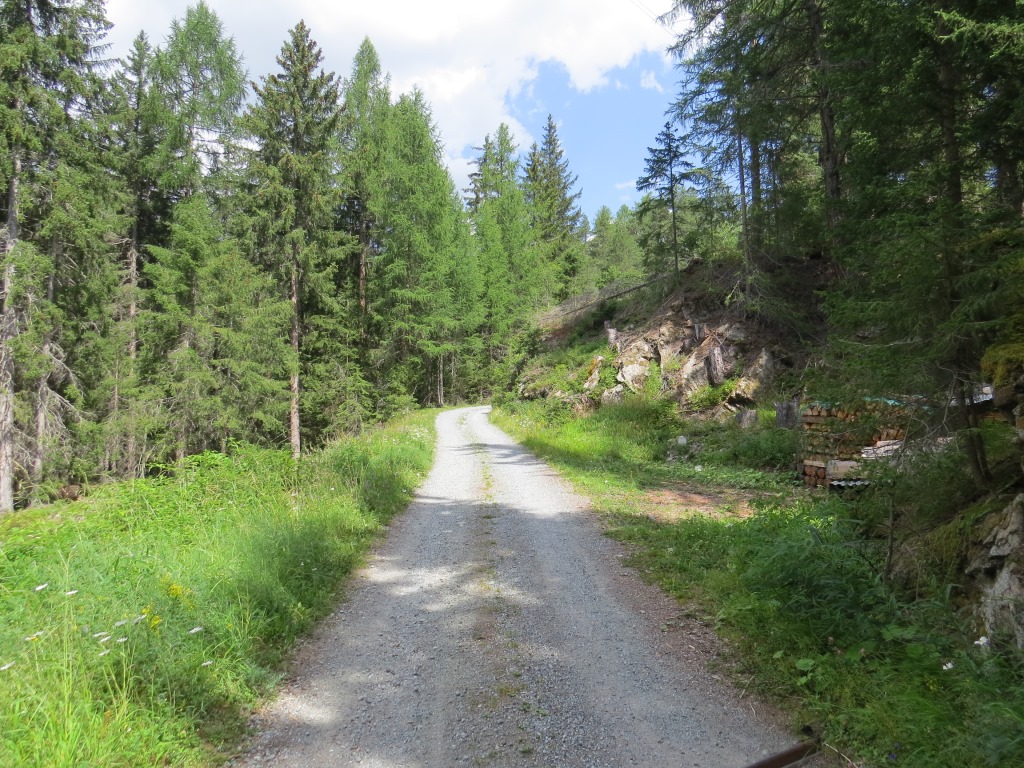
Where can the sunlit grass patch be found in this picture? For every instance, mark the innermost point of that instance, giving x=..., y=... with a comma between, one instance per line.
x=138, y=626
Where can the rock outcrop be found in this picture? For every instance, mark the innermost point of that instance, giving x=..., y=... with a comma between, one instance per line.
x=996, y=566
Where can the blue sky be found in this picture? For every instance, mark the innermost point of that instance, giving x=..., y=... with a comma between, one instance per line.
x=605, y=132
x=597, y=66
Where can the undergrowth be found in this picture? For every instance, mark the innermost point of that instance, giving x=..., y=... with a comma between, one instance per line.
x=138, y=626
x=891, y=676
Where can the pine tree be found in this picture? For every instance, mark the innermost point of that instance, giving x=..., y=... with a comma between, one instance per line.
x=665, y=171
x=548, y=185
x=214, y=338
x=46, y=85
x=202, y=80
x=367, y=106
x=411, y=301
x=514, y=280
x=293, y=196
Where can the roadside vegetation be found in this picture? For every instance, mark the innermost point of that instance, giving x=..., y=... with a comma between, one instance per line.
x=139, y=626
x=879, y=664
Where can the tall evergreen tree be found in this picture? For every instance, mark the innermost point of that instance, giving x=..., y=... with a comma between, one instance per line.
x=47, y=63
x=367, y=102
x=548, y=185
x=411, y=297
x=201, y=77
x=665, y=170
x=293, y=195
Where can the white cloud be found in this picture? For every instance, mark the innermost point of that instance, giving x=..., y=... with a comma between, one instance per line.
x=624, y=185
x=649, y=80
x=469, y=57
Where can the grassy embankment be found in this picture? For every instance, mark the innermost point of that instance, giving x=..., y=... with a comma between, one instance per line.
x=138, y=626
x=881, y=672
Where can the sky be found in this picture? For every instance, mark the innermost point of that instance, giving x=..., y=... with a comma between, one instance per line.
x=599, y=67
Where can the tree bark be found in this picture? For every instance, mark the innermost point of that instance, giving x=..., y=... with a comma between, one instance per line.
x=8, y=332
x=294, y=423
x=831, y=158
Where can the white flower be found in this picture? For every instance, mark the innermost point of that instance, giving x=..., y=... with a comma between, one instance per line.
x=137, y=619
x=41, y=587
x=6, y=666
x=120, y=623
x=983, y=642
x=122, y=639
x=194, y=630
x=207, y=663
x=71, y=592
x=104, y=639
x=100, y=634
x=32, y=637
x=948, y=665
x=104, y=653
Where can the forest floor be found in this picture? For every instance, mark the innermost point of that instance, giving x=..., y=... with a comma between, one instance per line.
x=495, y=625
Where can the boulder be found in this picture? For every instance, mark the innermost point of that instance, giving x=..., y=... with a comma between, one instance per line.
x=747, y=418
x=634, y=375
x=754, y=377
x=613, y=395
x=997, y=566
x=595, y=375
x=635, y=365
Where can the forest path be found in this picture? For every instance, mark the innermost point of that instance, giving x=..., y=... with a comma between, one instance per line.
x=495, y=626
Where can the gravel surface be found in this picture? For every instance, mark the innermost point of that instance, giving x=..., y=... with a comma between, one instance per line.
x=494, y=627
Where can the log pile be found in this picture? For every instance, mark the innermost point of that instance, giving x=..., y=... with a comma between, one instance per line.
x=836, y=438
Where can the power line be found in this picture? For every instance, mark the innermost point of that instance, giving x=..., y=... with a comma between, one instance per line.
x=640, y=6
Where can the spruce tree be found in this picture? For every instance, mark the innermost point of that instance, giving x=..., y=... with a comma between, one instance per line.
x=665, y=170
x=47, y=84
x=556, y=218
x=411, y=301
x=292, y=195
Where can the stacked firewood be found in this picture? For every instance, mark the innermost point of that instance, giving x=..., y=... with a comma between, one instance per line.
x=837, y=438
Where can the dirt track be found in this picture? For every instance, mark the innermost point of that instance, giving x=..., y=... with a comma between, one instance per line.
x=495, y=627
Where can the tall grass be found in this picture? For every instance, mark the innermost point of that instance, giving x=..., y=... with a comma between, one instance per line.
x=138, y=627
x=892, y=677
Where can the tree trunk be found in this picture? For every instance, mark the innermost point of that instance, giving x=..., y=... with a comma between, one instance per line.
x=294, y=424
x=8, y=332
x=831, y=159
x=745, y=224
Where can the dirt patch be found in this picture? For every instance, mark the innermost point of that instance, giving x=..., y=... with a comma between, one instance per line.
x=670, y=504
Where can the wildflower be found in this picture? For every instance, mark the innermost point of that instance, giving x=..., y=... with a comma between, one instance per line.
x=194, y=630
x=207, y=663
x=104, y=653
x=983, y=642
x=122, y=639
x=948, y=665
x=100, y=634
x=104, y=639
x=137, y=619
x=120, y=623
x=41, y=587
x=71, y=592
x=6, y=666
x=33, y=638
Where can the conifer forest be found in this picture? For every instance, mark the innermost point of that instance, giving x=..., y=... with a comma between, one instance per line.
x=195, y=256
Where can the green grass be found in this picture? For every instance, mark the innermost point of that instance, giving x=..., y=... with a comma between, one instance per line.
x=138, y=627
x=887, y=675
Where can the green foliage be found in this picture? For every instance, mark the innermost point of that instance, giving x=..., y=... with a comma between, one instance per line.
x=159, y=611
x=709, y=396
x=555, y=217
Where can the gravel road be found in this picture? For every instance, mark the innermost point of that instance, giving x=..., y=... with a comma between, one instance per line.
x=495, y=626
